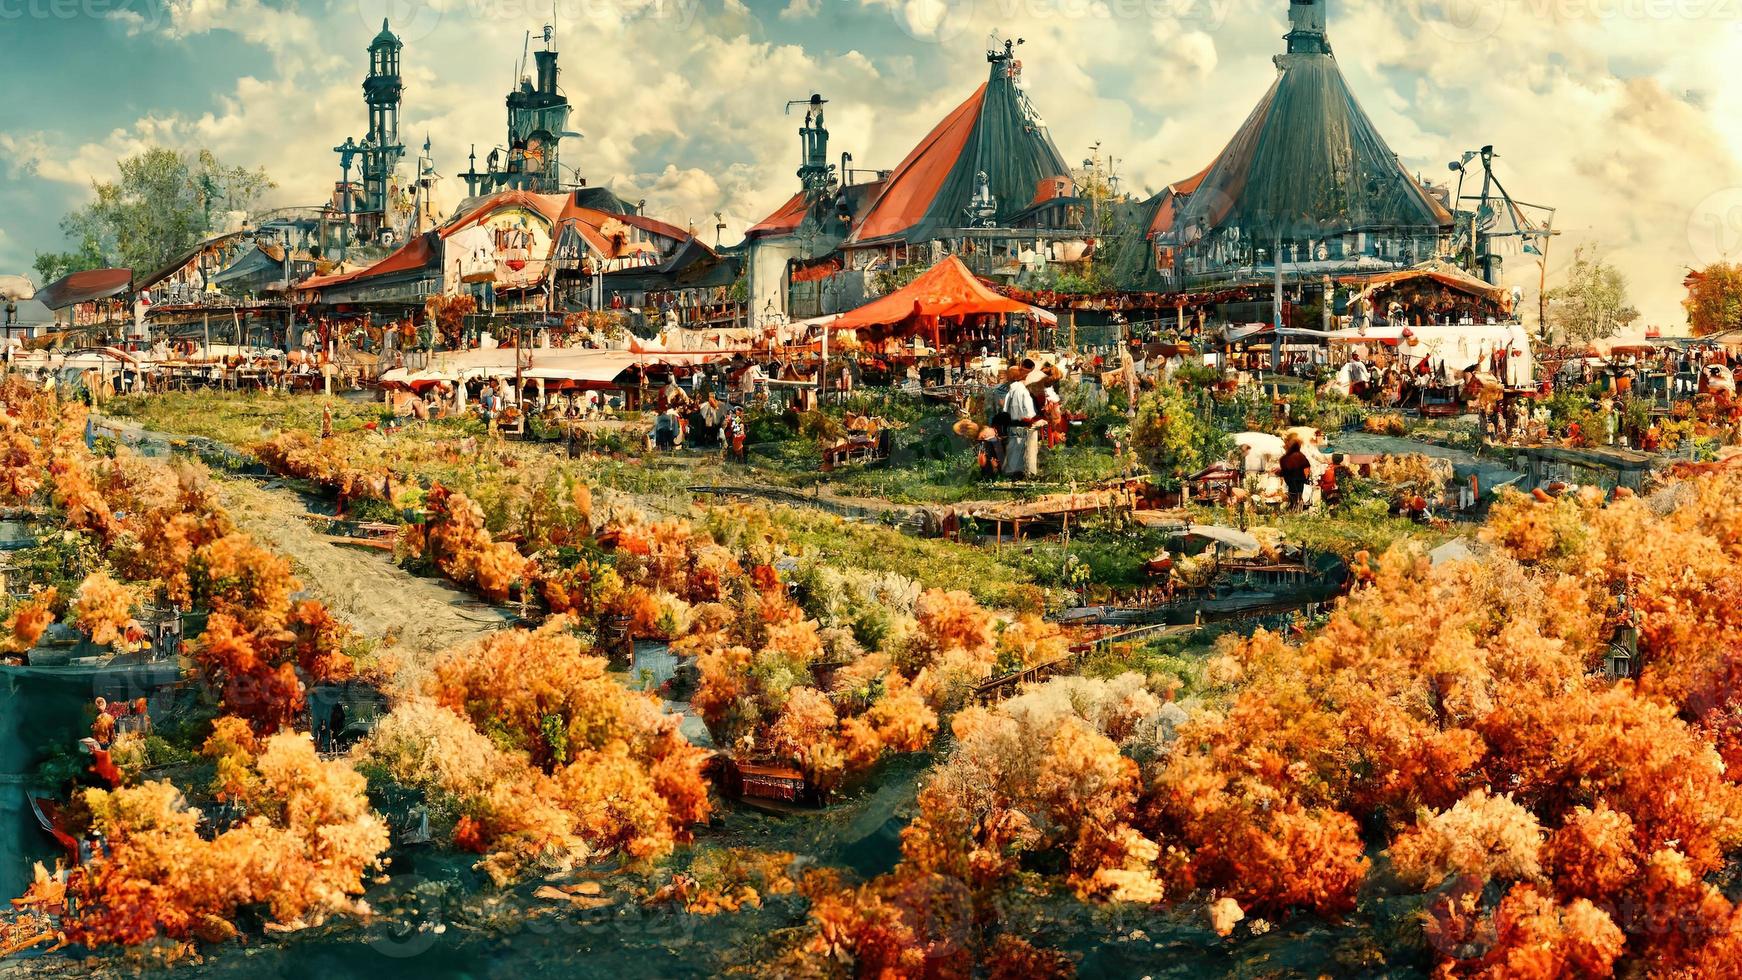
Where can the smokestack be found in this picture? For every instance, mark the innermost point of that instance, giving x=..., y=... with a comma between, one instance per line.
x=546, y=71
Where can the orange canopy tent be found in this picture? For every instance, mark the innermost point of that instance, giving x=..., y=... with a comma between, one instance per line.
x=946, y=291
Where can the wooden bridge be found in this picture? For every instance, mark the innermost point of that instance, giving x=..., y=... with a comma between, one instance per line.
x=996, y=689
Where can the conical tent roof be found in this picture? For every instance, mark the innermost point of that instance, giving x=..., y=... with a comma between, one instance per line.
x=1307, y=163
x=947, y=290
x=997, y=131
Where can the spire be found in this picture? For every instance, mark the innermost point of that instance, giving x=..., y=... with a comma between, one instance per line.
x=385, y=39
x=1306, y=27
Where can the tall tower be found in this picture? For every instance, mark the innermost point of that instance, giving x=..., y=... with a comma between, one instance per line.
x=1306, y=27
x=381, y=92
x=815, y=172
x=538, y=117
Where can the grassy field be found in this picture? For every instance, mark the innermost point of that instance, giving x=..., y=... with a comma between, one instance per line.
x=239, y=420
x=928, y=469
x=1008, y=579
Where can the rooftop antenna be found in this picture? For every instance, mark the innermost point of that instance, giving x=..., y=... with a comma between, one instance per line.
x=525, y=47
x=1005, y=52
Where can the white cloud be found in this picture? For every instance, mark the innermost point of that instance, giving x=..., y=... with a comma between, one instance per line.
x=1626, y=125
x=1191, y=60
x=279, y=29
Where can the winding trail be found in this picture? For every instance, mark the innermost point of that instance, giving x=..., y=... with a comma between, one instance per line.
x=422, y=617
x=413, y=619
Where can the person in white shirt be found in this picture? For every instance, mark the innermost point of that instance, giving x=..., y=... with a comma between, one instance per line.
x=1355, y=377
x=1022, y=452
x=748, y=381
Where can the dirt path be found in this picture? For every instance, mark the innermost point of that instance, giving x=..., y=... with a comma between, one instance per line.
x=370, y=593
x=907, y=516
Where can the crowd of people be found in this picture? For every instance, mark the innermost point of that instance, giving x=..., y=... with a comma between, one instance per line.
x=1020, y=412
x=701, y=420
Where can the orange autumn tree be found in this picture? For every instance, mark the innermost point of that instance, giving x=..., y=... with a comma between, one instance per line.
x=171, y=513
x=301, y=854
x=482, y=797
x=29, y=620
x=760, y=662
x=74, y=490
x=1444, y=688
x=455, y=540
x=906, y=924
x=1053, y=771
x=1049, y=770
x=617, y=763
x=260, y=650
x=1714, y=300
x=1673, y=565
x=102, y=609
x=1450, y=722
x=235, y=576
x=23, y=459
x=327, y=462
x=262, y=674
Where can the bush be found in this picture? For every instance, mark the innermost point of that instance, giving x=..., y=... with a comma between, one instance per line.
x=1170, y=436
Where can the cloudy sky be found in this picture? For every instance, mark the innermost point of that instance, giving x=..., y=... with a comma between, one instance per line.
x=1615, y=111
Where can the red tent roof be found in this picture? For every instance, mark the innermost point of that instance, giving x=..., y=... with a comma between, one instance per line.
x=784, y=220
x=946, y=290
x=996, y=132
x=82, y=287
x=558, y=209
x=1171, y=199
x=418, y=253
x=915, y=183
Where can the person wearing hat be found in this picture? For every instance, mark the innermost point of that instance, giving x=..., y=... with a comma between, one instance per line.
x=988, y=447
x=1021, y=452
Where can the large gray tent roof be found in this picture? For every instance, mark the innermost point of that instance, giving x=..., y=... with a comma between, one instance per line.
x=996, y=131
x=1307, y=163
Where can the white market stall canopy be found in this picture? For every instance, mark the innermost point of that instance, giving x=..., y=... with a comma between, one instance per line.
x=572, y=365
x=1458, y=346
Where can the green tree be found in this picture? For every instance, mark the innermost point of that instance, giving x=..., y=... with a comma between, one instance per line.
x=1714, y=302
x=1170, y=436
x=50, y=266
x=163, y=203
x=1592, y=303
